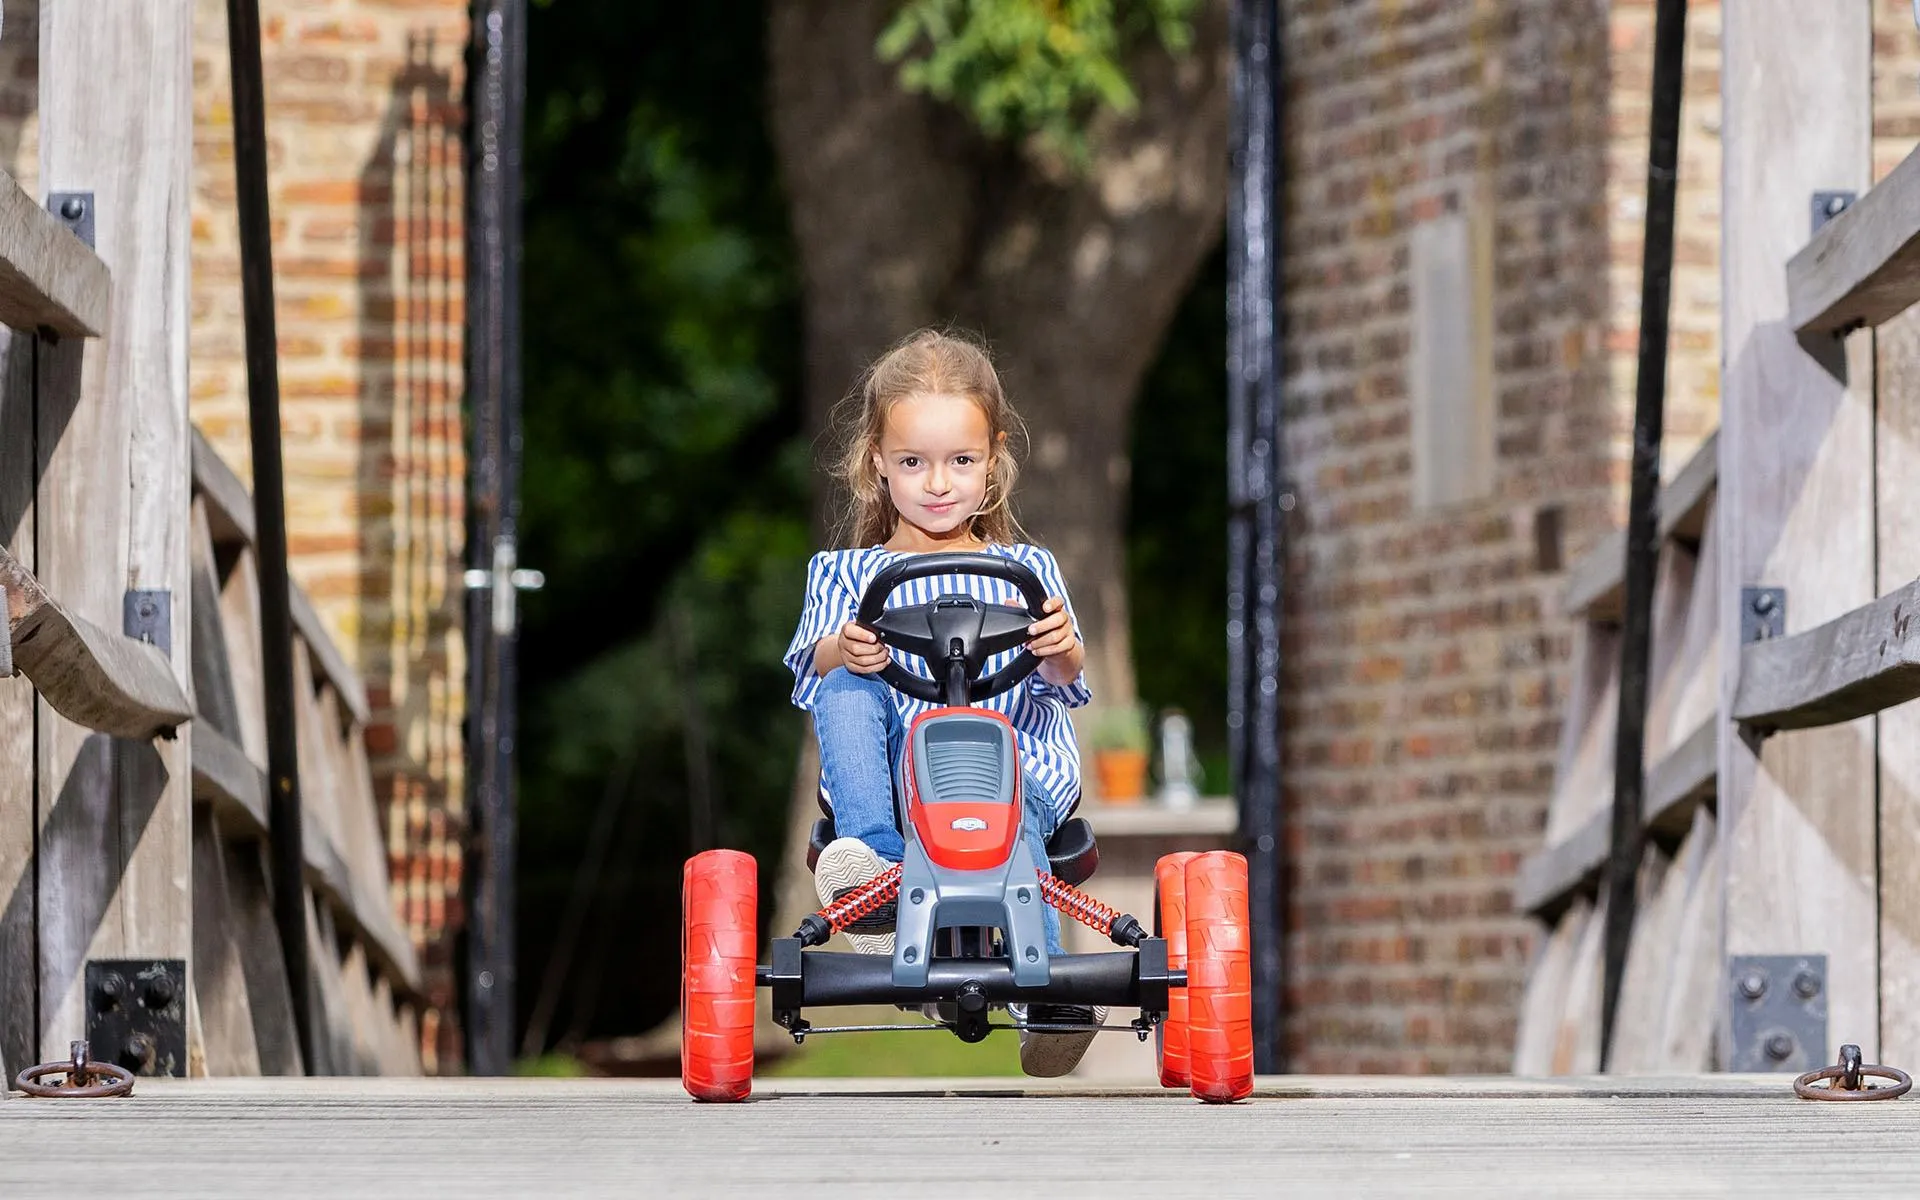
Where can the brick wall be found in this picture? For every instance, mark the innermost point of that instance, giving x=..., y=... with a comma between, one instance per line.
x=1426, y=658
x=364, y=122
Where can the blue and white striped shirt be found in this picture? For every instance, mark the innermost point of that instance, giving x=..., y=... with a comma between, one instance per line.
x=836, y=579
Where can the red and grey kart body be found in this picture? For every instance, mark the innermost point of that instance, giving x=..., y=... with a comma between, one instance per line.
x=966, y=900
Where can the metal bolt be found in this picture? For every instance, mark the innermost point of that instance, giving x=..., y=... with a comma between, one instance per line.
x=1024, y=896
x=1033, y=954
x=73, y=208
x=916, y=896
x=1780, y=1047
x=137, y=1052
x=1753, y=985
x=1835, y=204
x=1763, y=603
x=1806, y=985
x=160, y=991
x=109, y=991
x=911, y=954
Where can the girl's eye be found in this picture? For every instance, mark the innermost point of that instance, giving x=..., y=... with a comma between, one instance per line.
x=909, y=462
x=964, y=460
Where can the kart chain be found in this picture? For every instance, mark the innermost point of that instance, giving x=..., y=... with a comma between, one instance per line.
x=863, y=900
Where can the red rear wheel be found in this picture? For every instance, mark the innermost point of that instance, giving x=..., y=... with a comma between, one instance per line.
x=1170, y=922
x=719, y=899
x=1219, y=978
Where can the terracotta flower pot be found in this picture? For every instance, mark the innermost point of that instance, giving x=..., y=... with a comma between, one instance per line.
x=1122, y=775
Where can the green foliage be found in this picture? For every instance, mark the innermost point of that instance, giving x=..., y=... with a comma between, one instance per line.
x=1030, y=67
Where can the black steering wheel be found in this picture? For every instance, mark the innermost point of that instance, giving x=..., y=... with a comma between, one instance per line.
x=955, y=634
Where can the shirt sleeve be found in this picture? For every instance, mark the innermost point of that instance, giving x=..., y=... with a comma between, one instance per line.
x=1076, y=693
x=829, y=605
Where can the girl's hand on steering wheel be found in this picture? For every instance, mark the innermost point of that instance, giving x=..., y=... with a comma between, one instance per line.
x=860, y=649
x=1052, y=635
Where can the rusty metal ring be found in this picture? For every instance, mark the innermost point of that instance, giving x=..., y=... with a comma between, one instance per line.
x=120, y=1081
x=1803, y=1086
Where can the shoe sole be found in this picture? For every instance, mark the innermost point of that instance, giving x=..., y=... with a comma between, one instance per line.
x=1051, y=1055
x=846, y=863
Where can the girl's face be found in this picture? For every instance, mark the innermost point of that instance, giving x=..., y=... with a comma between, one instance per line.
x=933, y=456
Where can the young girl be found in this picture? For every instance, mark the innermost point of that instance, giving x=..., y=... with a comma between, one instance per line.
x=930, y=469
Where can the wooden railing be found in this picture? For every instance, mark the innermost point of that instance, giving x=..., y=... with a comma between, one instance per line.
x=366, y=975
x=1813, y=854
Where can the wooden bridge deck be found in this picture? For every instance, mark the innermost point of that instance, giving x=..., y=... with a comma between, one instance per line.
x=1715, y=1136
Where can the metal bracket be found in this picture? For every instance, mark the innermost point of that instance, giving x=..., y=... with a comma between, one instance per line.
x=1779, y=1011
x=506, y=579
x=76, y=210
x=1763, y=613
x=146, y=615
x=1828, y=205
x=137, y=1014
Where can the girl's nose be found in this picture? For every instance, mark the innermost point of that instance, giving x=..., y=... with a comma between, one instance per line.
x=937, y=481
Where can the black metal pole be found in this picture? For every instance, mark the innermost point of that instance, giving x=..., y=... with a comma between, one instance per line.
x=496, y=104
x=287, y=857
x=1643, y=534
x=1255, y=553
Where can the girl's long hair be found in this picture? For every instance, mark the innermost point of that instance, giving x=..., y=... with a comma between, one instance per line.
x=930, y=362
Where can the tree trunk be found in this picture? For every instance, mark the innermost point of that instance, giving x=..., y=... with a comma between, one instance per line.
x=904, y=217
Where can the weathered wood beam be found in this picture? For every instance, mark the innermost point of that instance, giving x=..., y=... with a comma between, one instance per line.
x=1853, y=666
x=102, y=681
x=49, y=279
x=1676, y=786
x=1863, y=267
x=226, y=779
x=327, y=662
x=229, y=505
x=1596, y=582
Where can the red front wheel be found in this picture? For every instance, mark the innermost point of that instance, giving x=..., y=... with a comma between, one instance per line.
x=1170, y=922
x=719, y=900
x=1219, y=978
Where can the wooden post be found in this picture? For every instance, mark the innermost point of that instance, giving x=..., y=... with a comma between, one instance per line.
x=116, y=829
x=1897, y=511
x=19, y=1037
x=1795, y=507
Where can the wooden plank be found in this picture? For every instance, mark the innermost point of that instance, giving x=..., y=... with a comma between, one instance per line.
x=1853, y=666
x=1576, y=1045
x=257, y=939
x=80, y=517
x=1897, y=505
x=1549, y=879
x=215, y=704
x=1687, y=692
x=240, y=619
x=1690, y=1025
x=225, y=778
x=226, y=1019
x=1863, y=268
x=1596, y=582
x=329, y=666
x=496, y=1139
x=131, y=146
x=229, y=504
x=1795, y=497
x=1679, y=782
x=19, y=1038
x=49, y=279
x=1546, y=992
x=1675, y=576
x=104, y=682
x=1583, y=778
x=1643, y=993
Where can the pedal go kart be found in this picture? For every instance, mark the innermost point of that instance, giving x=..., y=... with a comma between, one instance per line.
x=965, y=900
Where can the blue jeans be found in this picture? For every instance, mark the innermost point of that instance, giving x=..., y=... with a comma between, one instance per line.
x=861, y=737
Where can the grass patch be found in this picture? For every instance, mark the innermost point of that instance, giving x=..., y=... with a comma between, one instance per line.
x=890, y=1054
x=553, y=1066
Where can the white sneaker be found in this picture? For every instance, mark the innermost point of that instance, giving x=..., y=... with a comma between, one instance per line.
x=1046, y=1055
x=847, y=863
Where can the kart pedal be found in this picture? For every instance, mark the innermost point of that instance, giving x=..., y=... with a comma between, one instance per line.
x=880, y=920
